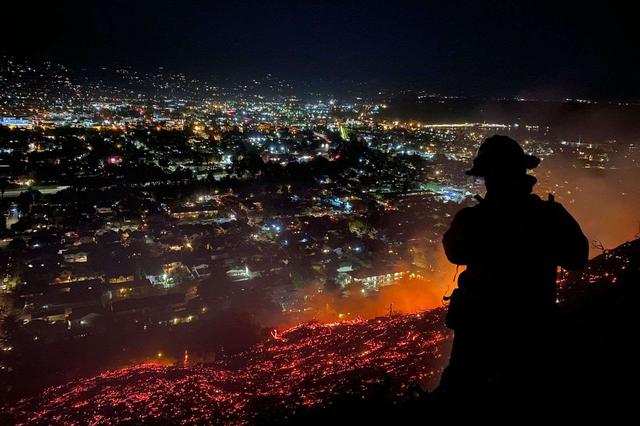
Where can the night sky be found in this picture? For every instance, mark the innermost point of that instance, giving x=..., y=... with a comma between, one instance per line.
x=471, y=48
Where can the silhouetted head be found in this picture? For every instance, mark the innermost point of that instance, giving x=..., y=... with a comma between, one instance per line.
x=503, y=164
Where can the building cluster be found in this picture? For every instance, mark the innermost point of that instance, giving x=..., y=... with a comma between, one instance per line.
x=146, y=201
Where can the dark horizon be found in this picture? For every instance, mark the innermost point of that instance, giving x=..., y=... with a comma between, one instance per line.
x=493, y=49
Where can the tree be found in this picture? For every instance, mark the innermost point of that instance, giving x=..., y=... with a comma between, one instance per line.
x=3, y=187
x=26, y=200
x=15, y=351
x=3, y=218
x=248, y=161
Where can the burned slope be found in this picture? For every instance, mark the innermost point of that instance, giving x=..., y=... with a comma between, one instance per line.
x=355, y=370
x=306, y=366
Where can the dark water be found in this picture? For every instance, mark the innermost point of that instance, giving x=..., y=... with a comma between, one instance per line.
x=602, y=121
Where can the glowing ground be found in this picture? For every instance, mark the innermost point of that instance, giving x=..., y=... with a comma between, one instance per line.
x=303, y=366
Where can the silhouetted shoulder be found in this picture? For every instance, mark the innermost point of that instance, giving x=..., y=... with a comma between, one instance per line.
x=458, y=240
x=571, y=246
x=466, y=214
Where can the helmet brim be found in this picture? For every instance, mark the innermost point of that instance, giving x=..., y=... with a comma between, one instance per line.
x=528, y=161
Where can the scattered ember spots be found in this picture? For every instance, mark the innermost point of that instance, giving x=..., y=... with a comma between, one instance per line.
x=303, y=366
x=601, y=269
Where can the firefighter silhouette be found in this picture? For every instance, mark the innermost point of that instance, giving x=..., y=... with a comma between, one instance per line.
x=503, y=312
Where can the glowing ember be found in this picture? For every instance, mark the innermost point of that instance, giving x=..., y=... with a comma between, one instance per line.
x=303, y=366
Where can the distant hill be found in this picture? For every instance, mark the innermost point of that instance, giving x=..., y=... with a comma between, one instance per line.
x=352, y=369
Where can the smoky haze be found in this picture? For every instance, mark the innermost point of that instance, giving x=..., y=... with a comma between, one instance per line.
x=606, y=203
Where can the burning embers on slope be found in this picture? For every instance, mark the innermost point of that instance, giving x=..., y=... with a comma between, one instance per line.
x=303, y=366
x=310, y=364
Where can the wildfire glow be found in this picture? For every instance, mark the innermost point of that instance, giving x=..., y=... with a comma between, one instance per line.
x=303, y=366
